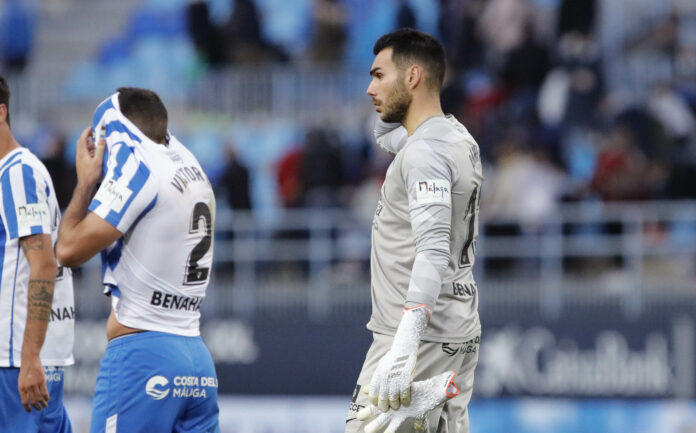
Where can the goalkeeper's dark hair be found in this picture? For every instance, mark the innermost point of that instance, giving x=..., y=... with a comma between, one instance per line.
x=413, y=46
x=145, y=109
x=5, y=96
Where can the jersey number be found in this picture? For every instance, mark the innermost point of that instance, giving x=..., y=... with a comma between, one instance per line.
x=464, y=259
x=194, y=273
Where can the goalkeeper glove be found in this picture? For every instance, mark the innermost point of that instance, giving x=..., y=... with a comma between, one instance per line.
x=426, y=396
x=391, y=383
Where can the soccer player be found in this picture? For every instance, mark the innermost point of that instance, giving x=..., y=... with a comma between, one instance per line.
x=152, y=218
x=37, y=316
x=424, y=299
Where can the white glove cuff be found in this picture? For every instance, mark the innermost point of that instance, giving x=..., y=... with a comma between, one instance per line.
x=411, y=329
x=432, y=392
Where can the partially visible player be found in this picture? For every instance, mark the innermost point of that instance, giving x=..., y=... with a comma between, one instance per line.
x=424, y=298
x=37, y=316
x=152, y=219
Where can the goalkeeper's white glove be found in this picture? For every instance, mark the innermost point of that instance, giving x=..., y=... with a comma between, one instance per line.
x=389, y=136
x=426, y=396
x=391, y=382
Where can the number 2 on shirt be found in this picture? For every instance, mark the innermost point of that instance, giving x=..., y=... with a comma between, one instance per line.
x=195, y=274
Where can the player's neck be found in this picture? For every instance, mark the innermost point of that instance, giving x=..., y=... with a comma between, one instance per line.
x=420, y=111
x=7, y=142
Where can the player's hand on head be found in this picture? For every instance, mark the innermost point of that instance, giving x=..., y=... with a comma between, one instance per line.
x=32, y=384
x=88, y=157
x=426, y=395
x=390, y=386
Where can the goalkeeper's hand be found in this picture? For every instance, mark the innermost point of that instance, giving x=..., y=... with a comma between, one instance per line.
x=391, y=382
x=426, y=396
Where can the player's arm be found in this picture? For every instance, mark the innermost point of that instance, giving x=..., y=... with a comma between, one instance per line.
x=389, y=136
x=428, y=176
x=83, y=234
x=42, y=277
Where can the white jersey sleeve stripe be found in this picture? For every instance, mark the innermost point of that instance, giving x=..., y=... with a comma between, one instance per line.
x=25, y=206
x=33, y=215
x=123, y=182
x=12, y=160
x=9, y=204
x=135, y=185
x=3, y=247
x=12, y=309
x=117, y=126
x=101, y=109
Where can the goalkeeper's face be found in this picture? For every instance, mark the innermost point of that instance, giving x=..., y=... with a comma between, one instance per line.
x=388, y=89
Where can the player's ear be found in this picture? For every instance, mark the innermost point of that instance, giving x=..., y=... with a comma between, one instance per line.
x=3, y=113
x=414, y=76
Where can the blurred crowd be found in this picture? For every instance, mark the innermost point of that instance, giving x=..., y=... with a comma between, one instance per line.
x=531, y=85
x=532, y=80
x=16, y=35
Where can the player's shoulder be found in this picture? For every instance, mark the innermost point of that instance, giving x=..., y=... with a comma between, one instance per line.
x=442, y=129
x=23, y=163
x=438, y=137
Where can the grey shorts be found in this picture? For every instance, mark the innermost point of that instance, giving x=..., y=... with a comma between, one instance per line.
x=433, y=359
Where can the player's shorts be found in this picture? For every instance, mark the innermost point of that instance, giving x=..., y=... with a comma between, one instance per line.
x=13, y=417
x=156, y=382
x=433, y=359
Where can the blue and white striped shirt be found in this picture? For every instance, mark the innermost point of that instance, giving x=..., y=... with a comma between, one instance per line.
x=161, y=200
x=29, y=207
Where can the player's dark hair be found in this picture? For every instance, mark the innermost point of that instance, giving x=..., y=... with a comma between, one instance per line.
x=145, y=109
x=409, y=45
x=5, y=96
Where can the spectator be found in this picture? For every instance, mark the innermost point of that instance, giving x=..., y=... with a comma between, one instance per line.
x=16, y=35
x=235, y=182
x=320, y=169
x=580, y=58
x=62, y=172
x=405, y=18
x=330, y=31
x=204, y=34
x=523, y=72
x=244, y=36
x=288, y=176
x=502, y=24
x=621, y=171
x=673, y=113
x=524, y=185
x=457, y=23
x=240, y=40
x=527, y=64
x=576, y=16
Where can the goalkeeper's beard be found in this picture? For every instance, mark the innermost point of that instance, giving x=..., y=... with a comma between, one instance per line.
x=399, y=102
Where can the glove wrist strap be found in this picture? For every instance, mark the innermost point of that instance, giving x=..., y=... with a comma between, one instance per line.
x=411, y=329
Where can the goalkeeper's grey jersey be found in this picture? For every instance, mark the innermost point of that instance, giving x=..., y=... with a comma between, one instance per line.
x=430, y=197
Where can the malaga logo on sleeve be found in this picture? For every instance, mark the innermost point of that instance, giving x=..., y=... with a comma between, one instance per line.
x=433, y=191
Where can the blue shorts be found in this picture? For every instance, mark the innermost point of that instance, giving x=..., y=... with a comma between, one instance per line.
x=157, y=383
x=13, y=417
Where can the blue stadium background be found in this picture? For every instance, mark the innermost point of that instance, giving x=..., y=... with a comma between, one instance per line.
x=585, y=111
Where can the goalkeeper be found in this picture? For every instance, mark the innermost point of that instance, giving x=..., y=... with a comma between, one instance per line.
x=424, y=299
